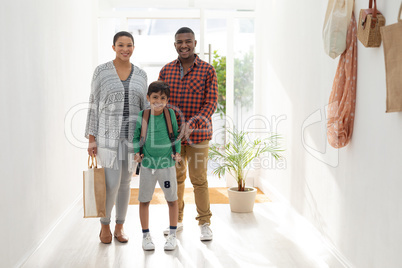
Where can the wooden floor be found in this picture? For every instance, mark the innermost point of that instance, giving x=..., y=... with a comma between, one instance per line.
x=271, y=236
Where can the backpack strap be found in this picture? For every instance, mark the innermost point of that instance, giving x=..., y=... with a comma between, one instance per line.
x=169, y=127
x=143, y=137
x=144, y=128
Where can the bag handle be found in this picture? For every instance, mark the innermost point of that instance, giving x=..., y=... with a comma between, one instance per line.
x=375, y=7
x=374, y=18
x=92, y=165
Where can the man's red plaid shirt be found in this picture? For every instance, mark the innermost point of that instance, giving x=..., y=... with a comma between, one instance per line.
x=194, y=97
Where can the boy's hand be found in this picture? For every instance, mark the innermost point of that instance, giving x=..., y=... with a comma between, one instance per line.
x=138, y=158
x=176, y=157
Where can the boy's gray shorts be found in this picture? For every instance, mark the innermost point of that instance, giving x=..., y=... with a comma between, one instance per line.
x=167, y=181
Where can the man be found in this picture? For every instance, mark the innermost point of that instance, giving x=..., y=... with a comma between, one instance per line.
x=194, y=97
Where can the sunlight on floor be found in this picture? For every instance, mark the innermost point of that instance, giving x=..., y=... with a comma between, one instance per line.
x=271, y=236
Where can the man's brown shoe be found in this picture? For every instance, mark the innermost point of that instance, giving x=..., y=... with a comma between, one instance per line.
x=123, y=238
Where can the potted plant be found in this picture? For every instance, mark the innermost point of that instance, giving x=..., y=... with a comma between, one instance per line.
x=235, y=157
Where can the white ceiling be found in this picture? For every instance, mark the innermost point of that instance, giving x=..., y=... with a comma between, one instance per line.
x=210, y=4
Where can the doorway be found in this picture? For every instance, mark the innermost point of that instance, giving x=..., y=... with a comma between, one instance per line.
x=225, y=39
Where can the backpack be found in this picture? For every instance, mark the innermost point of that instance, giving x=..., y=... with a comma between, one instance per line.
x=144, y=129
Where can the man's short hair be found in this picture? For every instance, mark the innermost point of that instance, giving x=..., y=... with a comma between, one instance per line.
x=184, y=30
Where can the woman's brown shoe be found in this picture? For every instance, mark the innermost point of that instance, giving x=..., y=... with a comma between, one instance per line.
x=106, y=239
x=123, y=238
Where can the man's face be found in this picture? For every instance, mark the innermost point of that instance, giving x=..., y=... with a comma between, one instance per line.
x=185, y=44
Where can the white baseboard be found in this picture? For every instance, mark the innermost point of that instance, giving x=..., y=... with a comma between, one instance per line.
x=30, y=252
x=276, y=196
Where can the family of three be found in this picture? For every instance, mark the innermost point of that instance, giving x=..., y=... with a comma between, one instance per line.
x=165, y=126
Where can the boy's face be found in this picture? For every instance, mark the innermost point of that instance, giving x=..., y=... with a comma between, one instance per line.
x=158, y=101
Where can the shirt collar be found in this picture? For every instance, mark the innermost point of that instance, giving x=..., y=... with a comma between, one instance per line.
x=196, y=60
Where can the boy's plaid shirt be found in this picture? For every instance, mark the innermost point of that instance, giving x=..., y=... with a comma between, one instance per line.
x=194, y=98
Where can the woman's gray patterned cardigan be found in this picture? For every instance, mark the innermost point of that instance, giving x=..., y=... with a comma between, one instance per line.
x=105, y=114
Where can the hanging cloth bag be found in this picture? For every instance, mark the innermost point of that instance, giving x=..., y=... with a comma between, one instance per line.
x=335, y=27
x=94, y=195
x=392, y=38
x=341, y=107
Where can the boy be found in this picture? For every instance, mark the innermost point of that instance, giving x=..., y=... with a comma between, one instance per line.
x=157, y=162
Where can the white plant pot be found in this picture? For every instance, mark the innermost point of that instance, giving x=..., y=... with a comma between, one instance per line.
x=242, y=201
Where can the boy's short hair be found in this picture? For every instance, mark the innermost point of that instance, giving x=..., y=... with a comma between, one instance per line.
x=159, y=86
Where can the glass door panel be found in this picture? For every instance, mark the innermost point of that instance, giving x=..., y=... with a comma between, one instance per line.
x=215, y=43
x=244, y=44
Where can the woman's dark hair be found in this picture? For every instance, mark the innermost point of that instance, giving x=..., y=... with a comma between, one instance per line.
x=184, y=30
x=159, y=86
x=120, y=34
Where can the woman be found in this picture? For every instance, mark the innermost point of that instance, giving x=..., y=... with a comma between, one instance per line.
x=118, y=94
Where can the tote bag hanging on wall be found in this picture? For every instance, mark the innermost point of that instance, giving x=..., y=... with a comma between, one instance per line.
x=392, y=39
x=342, y=101
x=335, y=27
x=94, y=195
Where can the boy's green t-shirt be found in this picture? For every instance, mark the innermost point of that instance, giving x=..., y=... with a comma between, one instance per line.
x=157, y=149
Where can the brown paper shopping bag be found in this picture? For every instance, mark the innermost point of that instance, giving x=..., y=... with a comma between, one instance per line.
x=94, y=195
x=392, y=39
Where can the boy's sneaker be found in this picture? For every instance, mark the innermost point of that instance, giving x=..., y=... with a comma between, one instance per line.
x=147, y=243
x=206, y=233
x=170, y=242
x=179, y=228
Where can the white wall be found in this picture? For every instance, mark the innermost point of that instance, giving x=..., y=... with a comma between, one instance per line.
x=355, y=203
x=47, y=59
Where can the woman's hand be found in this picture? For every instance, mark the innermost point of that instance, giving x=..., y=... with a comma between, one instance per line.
x=92, y=149
x=176, y=157
x=138, y=158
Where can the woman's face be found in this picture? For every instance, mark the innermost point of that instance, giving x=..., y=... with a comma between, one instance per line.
x=124, y=48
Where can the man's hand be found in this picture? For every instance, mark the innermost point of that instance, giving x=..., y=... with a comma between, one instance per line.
x=185, y=131
x=138, y=158
x=92, y=149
